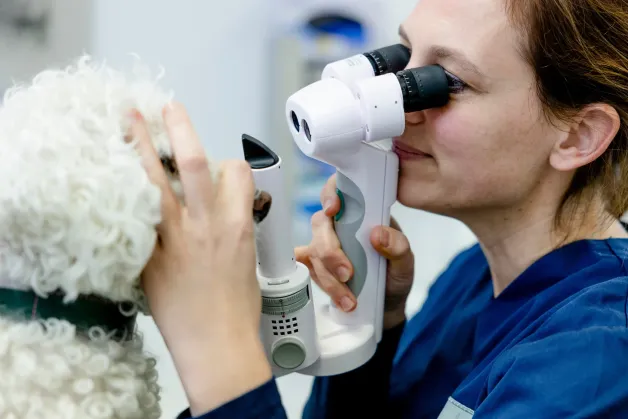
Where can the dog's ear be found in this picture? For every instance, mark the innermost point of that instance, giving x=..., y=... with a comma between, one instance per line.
x=261, y=205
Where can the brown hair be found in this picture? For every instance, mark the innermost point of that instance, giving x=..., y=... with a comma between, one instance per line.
x=579, y=51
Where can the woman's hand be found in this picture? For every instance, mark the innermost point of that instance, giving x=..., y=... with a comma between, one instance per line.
x=200, y=283
x=331, y=269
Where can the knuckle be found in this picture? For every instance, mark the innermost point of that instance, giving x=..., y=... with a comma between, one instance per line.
x=194, y=162
x=330, y=287
x=198, y=233
x=332, y=257
x=320, y=250
x=238, y=224
x=318, y=218
x=240, y=168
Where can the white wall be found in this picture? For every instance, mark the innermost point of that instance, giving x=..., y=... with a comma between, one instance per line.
x=213, y=53
x=215, y=56
x=26, y=52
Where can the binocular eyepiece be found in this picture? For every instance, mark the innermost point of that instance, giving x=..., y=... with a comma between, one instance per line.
x=422, y=87
x=390, y=59
x=363, y=98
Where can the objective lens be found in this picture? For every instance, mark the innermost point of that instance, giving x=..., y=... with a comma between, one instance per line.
x=423, y=88
x=390, y=59
x=295, y=121
x=306, y=128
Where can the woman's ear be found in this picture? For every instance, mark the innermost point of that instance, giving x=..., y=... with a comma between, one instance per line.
x=590, y=135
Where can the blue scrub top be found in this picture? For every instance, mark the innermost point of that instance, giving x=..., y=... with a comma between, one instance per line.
x=554, y=344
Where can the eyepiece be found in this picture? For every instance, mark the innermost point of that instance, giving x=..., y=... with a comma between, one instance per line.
x=390, y=59
x=423, y=88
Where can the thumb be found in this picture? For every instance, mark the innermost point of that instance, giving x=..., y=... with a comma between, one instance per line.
x=394, y=246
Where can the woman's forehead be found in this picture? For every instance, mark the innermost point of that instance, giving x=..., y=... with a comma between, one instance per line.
x=478, y=29
x=478, y=22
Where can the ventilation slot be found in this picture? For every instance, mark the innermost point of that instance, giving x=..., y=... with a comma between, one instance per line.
x=285, y=327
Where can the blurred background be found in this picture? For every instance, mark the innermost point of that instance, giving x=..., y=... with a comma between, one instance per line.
x=233, y=64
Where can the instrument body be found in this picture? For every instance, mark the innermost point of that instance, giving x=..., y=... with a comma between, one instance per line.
x=346, y=120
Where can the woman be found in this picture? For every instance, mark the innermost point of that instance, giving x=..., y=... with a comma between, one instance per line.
x=530, y=154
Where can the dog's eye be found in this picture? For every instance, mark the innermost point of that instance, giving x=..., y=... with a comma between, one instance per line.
x=261, y=206
x=169, y=164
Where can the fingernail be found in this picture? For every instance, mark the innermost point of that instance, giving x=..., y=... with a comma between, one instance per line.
x=346, y=303
x=135, y=114
x=384, y=237
x=327, y=205
x=343, y=274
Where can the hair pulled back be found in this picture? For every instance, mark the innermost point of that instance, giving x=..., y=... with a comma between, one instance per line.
x=579, y=52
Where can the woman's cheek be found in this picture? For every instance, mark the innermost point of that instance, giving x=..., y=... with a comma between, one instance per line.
x=458, y=133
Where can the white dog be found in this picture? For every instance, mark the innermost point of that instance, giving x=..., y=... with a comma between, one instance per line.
x=77, y=226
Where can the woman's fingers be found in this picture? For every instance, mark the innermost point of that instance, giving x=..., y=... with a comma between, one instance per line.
x=337, y=291
x=154, y=168
x=302, y=255
x=192, y=161
x=328, y=265
x=329, y=197
x=327, y=248
x=236, y=192
x=394, y=246
x=323, y=233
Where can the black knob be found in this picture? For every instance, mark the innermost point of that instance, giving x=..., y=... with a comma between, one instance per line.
x=390, y=59
x=424, y=88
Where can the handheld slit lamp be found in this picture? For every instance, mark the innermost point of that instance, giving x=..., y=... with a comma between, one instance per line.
x=340, y=120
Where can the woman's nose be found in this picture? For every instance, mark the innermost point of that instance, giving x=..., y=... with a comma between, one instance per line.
x=415, y=118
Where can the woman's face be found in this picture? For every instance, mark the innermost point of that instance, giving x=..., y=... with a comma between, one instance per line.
x=489, y=147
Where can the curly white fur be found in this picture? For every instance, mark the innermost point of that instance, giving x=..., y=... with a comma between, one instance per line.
x=49, y=373
x=77, y=214
x=78, y=211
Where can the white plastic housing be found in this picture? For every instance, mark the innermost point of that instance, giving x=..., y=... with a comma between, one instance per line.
x=332, y=120
x=280, y=278
x=382, y=107
x=349, y=70
x=275, y=252
x=348, y=340
x=302, y=330
x=340, y=124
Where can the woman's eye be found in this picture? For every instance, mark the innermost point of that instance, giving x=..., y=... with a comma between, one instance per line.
x=455, y=84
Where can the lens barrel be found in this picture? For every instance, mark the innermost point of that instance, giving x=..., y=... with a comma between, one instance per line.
x=423, y=88
x=390, y=59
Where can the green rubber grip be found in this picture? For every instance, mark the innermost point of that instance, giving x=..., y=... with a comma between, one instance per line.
x=347, y=223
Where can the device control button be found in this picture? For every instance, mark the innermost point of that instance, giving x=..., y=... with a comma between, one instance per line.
x=278, y=281
x=288, y=355
x=342, y=205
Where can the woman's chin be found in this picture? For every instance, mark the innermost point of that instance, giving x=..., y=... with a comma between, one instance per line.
x=413, y=194
x=409, y=195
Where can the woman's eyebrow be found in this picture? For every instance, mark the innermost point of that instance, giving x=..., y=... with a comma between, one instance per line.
x=457, y=56
x=447, y=53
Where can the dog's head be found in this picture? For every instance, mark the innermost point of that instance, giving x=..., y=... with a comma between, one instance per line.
x=77, y=209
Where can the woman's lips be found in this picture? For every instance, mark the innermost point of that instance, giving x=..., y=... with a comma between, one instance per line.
x=405, y=152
